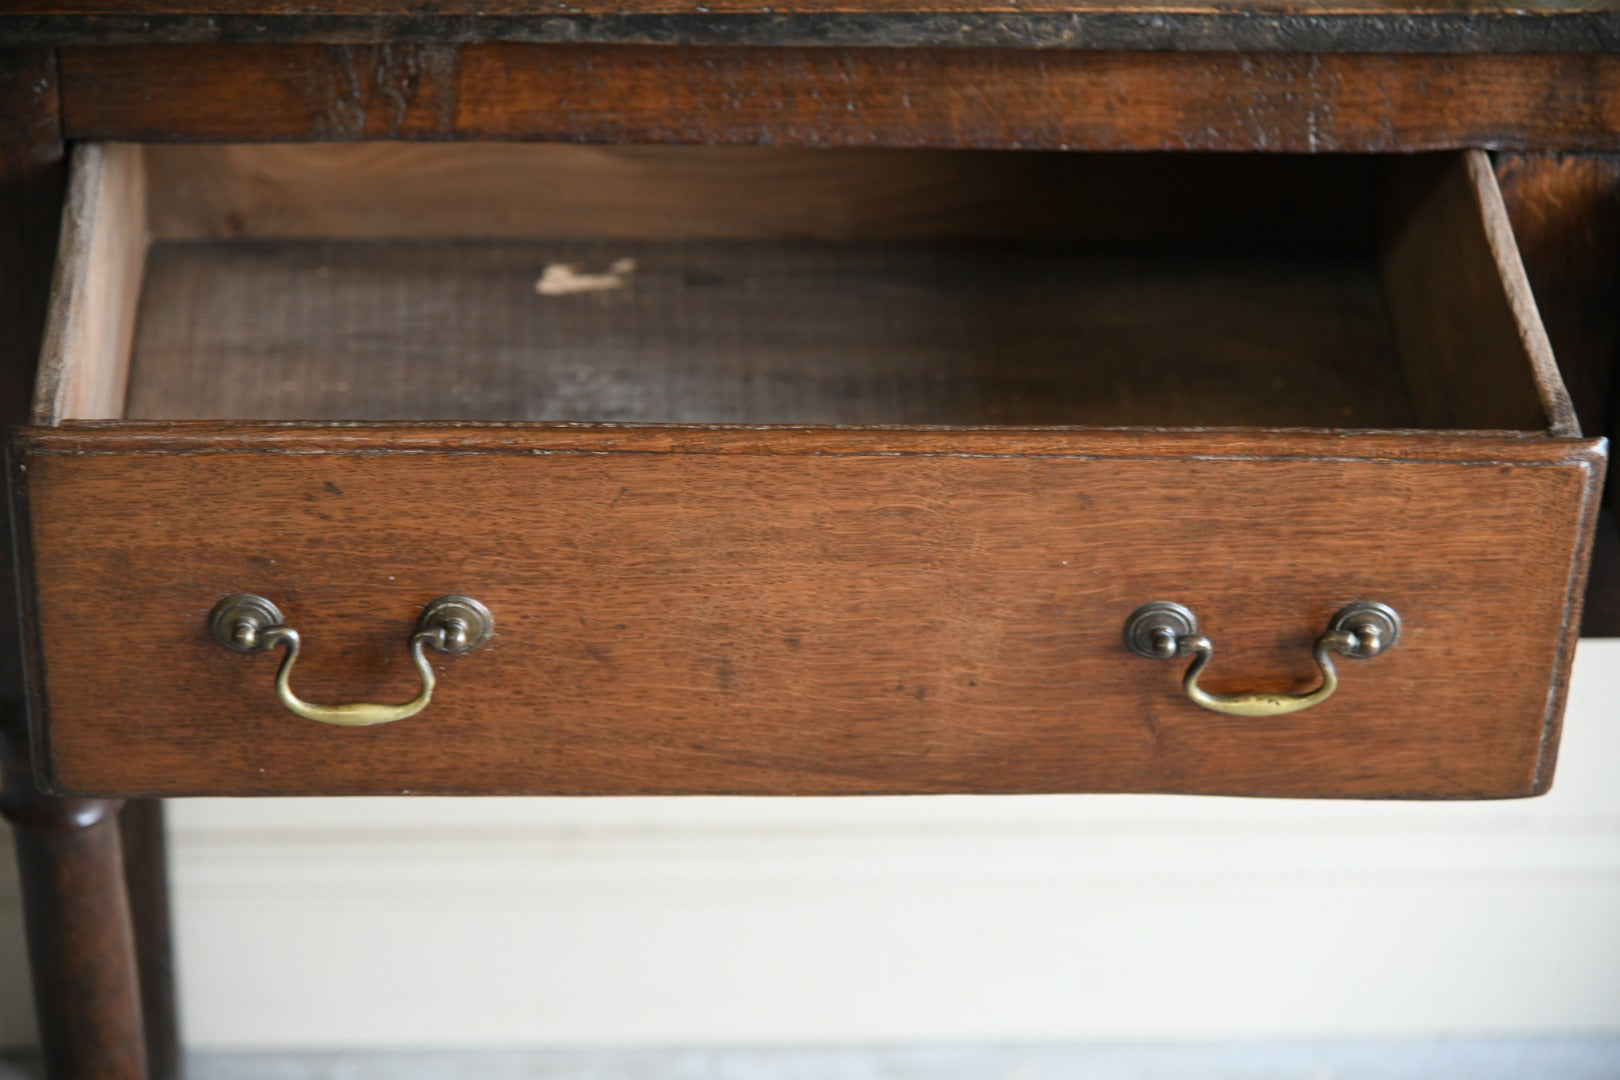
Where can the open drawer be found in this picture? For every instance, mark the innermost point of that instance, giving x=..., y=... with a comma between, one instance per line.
x=798, y=472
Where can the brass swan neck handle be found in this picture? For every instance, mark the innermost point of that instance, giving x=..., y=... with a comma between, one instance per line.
x=1163, y=630
x=246, y=623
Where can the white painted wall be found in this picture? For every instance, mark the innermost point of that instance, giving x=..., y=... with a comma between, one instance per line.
x=550, y=922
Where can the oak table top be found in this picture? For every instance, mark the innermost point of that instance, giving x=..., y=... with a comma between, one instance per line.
x=1345, y=26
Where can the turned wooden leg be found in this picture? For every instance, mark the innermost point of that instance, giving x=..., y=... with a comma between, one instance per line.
x=81, y=947
x=146, y=874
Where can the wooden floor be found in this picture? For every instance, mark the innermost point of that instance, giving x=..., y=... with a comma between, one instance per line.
x=777, y=332
x=1477, y=1059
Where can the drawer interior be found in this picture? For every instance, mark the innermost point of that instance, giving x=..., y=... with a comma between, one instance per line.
x=793, y=286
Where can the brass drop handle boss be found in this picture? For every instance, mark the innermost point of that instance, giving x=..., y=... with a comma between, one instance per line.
x=246, y=623
x=1163, y=630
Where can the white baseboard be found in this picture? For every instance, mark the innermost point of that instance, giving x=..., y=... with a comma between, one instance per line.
x=432, y=923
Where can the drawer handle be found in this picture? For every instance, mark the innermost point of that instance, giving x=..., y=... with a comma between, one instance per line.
x=451, y=624
x=1162, y=630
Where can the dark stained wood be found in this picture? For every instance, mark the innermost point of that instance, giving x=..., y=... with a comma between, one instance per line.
x=80, y=941
x=77, y=924
x=32, y=179
x=1388, y=26
x=716, y=609
x=768, y=333
x=1214, y=203
x=1543, y=10
x=1461, y=305
x=984, y=25
x=1566, y=217
x=146, y=877
x=822, y=611
x=983, y=98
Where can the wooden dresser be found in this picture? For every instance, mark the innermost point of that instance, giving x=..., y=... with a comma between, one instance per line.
x=830, y=398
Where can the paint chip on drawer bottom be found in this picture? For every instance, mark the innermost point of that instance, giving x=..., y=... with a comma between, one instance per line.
x=565, y=279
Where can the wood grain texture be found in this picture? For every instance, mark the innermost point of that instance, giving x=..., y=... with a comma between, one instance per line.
x=767, y=333
x=1025, y=24
x=1469, y=333
x=161, y=438
x=1542, y=9
x=1565, y=211
x=986, y=98
x=514, y=191
x=768, y=611
x=83, y=968
x=84, y=361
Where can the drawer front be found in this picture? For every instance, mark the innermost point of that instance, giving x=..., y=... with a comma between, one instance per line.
x=812, y=612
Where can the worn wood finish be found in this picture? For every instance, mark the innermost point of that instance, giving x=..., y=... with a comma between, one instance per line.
x=79, y=936
x=1544, y=10
x=844, y=97
x=84, y=361
x=768, y=333
x=701, y=610
x=1566, y=217
x=1352, y=26
x=146, y=877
